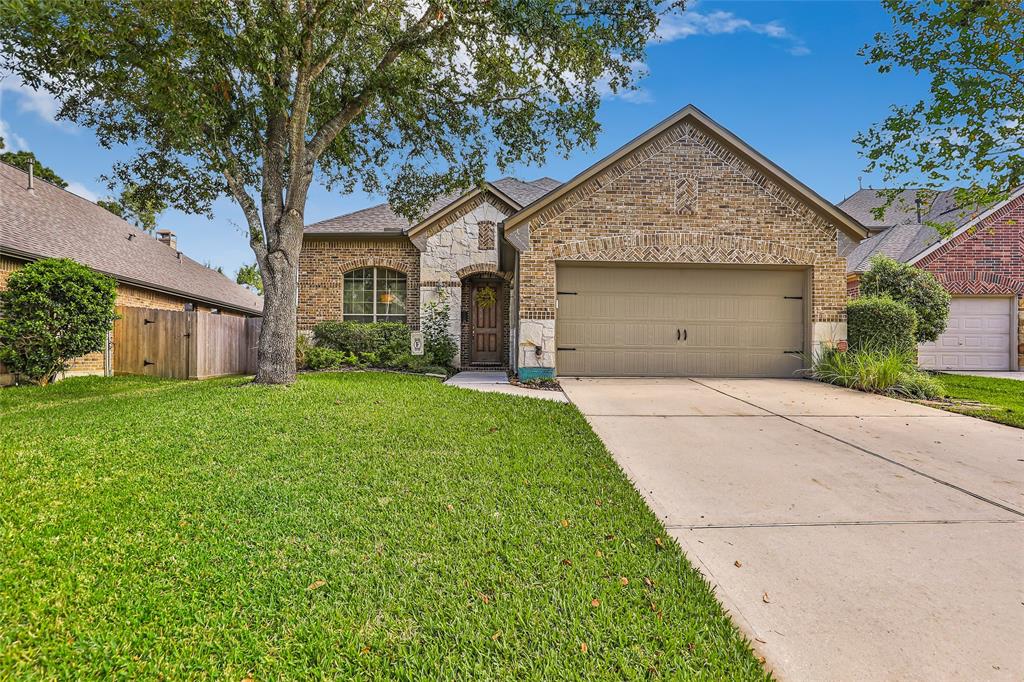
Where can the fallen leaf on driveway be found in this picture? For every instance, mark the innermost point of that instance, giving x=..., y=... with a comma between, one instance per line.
x=737, y=563
x=765, y=599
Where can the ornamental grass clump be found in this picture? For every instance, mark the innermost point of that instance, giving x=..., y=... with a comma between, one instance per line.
x=886, y=370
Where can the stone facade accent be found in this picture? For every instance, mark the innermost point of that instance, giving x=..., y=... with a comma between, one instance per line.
x=631, y=212
x=987, y=259
x=324, y=262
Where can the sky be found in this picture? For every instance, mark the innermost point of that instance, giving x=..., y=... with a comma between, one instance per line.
x=783, y=76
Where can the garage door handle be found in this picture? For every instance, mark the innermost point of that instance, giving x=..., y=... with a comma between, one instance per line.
x=678, y=335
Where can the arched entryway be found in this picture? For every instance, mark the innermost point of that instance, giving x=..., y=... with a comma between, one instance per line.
x=485, y=321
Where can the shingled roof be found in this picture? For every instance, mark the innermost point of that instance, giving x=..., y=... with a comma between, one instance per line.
x=380, y=219
x=899, y=234
x=49, y=222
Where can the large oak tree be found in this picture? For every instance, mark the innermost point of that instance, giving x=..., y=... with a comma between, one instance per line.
x=254, y=98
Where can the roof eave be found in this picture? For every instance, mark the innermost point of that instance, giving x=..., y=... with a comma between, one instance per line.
x=26, y=255
x=434, y=218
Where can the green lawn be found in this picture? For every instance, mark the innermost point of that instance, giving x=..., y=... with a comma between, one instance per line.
x=1005, y=396
x=355, y=525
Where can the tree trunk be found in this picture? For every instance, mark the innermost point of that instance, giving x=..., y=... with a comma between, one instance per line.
x=276, y=363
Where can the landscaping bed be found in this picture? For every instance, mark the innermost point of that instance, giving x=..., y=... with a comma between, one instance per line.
x=354, y=525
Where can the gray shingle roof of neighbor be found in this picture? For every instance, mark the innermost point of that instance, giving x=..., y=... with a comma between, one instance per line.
x=899, y=235
x=380, y=219
x=49, y=222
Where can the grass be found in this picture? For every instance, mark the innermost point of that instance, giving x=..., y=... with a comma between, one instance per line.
x=1004, y=397
x=355, y=525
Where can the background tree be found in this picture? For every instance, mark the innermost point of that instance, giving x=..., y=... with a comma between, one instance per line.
x=55, y=310
x=249, y=275
x=969, y=131
x=913, y=286
x=140, y=209
x=251, y=98
x=23, y=158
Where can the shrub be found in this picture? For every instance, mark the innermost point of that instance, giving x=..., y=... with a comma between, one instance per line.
x=887, y=371
x=880, y=323
x=321, y=357
x=385, y=340
x=438, y=344
x=916, y=287
x=54, y=310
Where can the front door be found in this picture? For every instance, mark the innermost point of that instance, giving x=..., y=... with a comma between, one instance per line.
x=485, y=312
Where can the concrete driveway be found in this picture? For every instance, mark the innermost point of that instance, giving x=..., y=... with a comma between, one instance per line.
x=852, y=537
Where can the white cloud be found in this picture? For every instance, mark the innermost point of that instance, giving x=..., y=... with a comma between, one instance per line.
x=28, y=100
x=13, y=142
x=690, y=22
x=82, y=191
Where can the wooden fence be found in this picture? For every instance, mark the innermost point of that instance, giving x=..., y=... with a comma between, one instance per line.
x=184, y=345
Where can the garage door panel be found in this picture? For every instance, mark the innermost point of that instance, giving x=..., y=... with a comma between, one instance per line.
x=617, y=321
x=977, y=336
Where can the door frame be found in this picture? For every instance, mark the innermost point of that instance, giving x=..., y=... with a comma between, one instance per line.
x=498, y=285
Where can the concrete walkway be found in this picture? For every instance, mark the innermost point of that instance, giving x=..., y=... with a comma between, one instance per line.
x=851, y=537
x=497, y=382
x=1016, y=376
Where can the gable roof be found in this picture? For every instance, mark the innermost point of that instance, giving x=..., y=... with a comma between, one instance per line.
x=812, y=199
x=49, y=222
x=902, y=237
x=381, y=220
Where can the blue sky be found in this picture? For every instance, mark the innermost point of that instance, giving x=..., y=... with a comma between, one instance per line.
x=784, y=76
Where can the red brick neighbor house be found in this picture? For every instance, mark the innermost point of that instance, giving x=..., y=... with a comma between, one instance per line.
x=980, y=263
x=39, y=220
x=685, y=252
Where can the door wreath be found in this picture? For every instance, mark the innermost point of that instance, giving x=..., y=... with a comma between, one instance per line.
x=485, y=297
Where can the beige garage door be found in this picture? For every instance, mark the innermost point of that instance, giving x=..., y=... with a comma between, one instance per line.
x=977, y=336
x=679, y=321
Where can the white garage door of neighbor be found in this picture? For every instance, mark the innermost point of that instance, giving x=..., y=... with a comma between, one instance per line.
x=679, y=321
x=977, y=337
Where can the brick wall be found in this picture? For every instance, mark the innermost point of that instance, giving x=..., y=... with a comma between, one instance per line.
x=324, y=262
x=987, y=259
x=683, y=197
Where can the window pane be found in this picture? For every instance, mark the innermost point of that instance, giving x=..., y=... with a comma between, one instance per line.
x=390, y=296
x=358, y=295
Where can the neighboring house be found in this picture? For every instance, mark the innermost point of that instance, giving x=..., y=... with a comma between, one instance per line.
x=981, y=263
x=39, y=220
x=683, y=253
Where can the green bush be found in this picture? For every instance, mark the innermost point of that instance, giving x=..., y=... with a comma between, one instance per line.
x=438, y=345
x=916, y=287
x=888, y=371
x=54, y=310
x=321, y=357
x=880, y=323
x=386, y=341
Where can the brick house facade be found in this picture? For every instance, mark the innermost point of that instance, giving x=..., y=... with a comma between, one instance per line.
x=981, y=264
x=686, y=193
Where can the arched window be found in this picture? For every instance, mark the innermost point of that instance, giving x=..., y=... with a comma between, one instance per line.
x=374, y=295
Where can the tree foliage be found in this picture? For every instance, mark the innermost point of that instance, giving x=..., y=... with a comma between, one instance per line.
x=249, y=275
x=137, y=207
x=22, y=160
x=54, y=310
x=252, y=98
x=913, y=286
x=969, y=131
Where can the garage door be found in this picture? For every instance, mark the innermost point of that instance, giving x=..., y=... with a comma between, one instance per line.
x=977, y=337
x=675, y=321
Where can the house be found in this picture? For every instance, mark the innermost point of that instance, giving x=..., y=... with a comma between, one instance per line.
x=685, y=252
x=980, y=263
x=40, y=220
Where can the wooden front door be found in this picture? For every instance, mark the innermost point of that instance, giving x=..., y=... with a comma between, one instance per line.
x=485, y=319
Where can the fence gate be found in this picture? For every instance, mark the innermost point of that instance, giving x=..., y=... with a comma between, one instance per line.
x=183, y=345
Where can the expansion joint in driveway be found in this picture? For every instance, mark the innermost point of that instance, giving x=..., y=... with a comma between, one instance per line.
x=976, y=496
